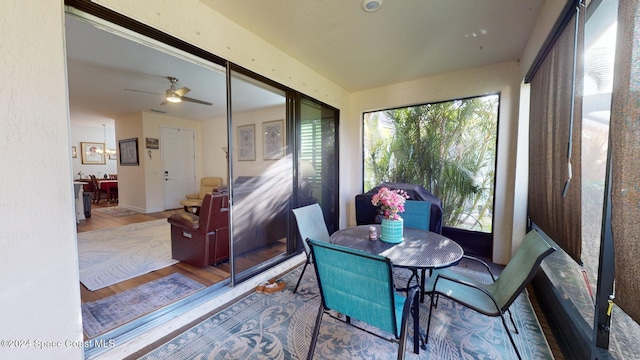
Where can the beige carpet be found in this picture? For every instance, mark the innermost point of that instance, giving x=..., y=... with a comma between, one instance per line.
x=111, y=255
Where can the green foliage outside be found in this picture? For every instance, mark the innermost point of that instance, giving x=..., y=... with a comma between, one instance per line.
x=449, y=148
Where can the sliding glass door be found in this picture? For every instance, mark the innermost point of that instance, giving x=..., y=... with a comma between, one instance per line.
x=261, y=174
x=318, y=160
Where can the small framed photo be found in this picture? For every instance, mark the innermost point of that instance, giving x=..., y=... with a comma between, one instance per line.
x=92, y=153
x=128, y=149
x=273, y=142
x=247, y=143
x=153, y=143
x=74, y=152
x=112, y=154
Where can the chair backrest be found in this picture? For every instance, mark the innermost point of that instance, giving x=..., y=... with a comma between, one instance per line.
x=521, y=269
x=366, y=213
x=214, y=212
x=208, y=184
x=357, y=284
x=94, y=181
x=417, y=214
x=311, y=224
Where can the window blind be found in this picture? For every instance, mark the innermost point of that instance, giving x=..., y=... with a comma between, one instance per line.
x=554, y=202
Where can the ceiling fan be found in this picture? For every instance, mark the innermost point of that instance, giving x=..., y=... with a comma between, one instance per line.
x=173, y=95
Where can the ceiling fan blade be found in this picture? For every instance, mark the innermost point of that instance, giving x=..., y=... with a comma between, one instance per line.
x=142, y=91
x=184, y=98
x=182, y=91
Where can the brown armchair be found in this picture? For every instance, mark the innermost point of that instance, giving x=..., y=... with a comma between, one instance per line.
x=194, y=201
x=202, y=240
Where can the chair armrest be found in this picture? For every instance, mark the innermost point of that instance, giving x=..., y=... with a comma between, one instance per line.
x=464, y=283
x=483, y=263
x=192, y=196
x=412, y=296
x=185, y=220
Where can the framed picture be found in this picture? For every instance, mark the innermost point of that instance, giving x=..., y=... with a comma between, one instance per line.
x=112, y=154
x=92, y=153
x=128, y=149
x=153, y=143
x=74, y=152
x=247, y=143
x=273, y=141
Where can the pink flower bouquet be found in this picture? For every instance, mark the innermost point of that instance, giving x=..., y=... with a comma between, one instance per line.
x=392, y=202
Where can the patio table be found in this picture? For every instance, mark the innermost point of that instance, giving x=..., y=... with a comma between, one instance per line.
x=421, y=250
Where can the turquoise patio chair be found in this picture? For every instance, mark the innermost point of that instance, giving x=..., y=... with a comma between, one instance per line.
x=492, y=299
x=311, y=225
x=417, y=214
x=360, y=285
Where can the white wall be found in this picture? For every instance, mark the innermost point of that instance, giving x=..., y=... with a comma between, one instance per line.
x=131, y=179
x=256, y=118
x=39, y=292
x=89, y=133
x=214, y=138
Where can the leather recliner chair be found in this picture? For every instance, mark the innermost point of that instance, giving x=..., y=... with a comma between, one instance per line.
x=193, y=202
x=202, y=240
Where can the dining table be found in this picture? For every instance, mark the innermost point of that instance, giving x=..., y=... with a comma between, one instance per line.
x=420, y=250
x=111, y=187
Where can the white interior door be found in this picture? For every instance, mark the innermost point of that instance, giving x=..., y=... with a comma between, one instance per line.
x=179, y=165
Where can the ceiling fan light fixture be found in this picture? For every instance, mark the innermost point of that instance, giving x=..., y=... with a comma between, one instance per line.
x=371, y=5
x=173, y=98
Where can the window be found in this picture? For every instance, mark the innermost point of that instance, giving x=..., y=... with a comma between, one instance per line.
x=318, y=162
x=449, y=148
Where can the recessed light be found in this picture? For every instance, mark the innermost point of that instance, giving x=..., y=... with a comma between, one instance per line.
x=371, y=5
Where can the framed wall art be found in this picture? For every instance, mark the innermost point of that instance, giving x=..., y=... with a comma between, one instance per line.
x=247, y=143
x=128, y=149
x=112, y=154
x=92, y=153
x=273, y=141
x=74, y=152
x=153, y=143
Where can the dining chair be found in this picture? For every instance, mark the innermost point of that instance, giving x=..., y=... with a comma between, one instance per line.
x=417, y=214
x=97, y=191
x=492, y=299
x=311, y=225
x=360, y=285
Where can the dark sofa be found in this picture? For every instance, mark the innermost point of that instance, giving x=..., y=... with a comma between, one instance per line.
x=259, y=212
x=366, y=213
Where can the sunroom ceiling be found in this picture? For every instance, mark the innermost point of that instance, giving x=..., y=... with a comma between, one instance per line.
x=404, y=40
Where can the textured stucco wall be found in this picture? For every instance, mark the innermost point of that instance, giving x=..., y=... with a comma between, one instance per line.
x=39, y=293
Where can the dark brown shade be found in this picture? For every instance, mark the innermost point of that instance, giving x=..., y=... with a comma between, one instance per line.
x=553, y=105
x=625, y=151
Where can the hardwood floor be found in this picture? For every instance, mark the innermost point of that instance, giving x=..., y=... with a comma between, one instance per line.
x=98, y=220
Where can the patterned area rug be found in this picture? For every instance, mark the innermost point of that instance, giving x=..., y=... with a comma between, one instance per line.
x=279, y=326
x=103, y=315
x=111, y=255
x=116, y=211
